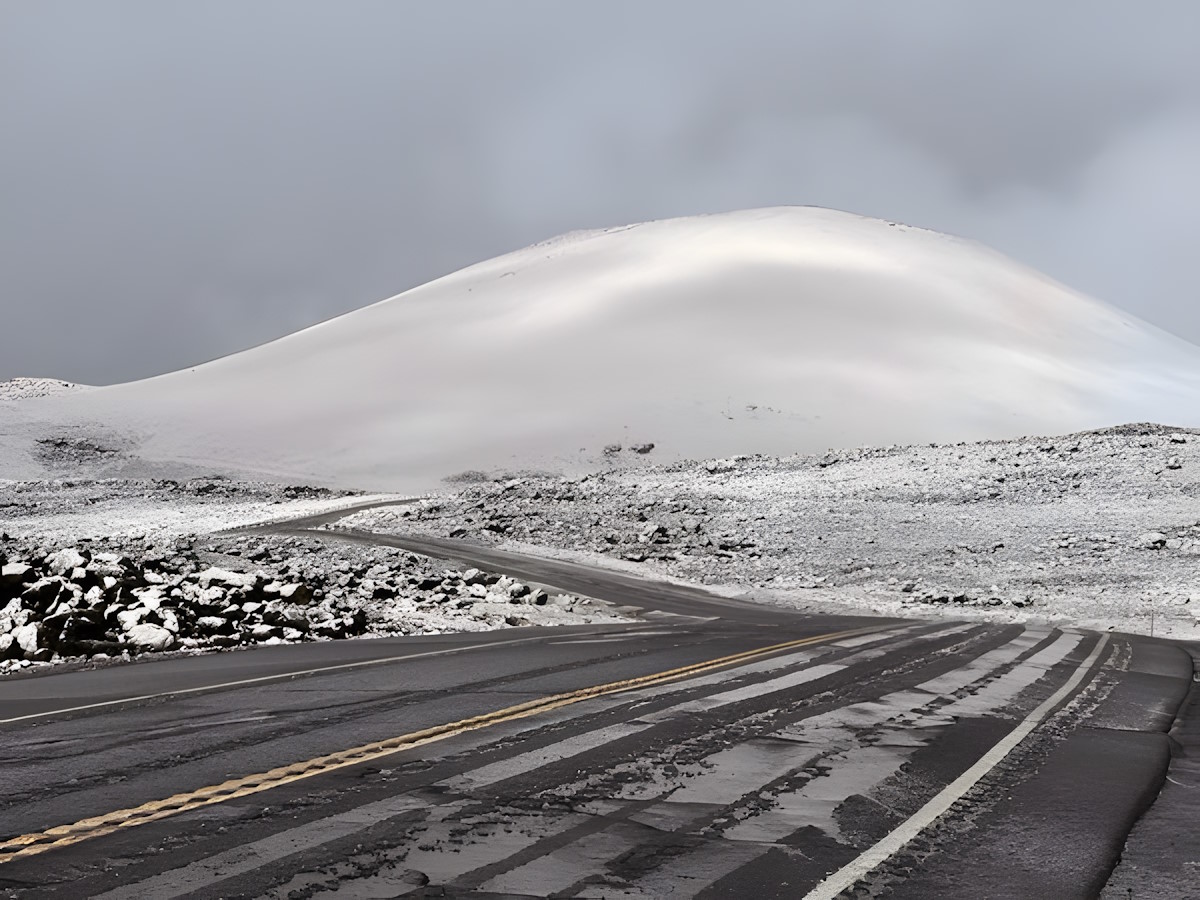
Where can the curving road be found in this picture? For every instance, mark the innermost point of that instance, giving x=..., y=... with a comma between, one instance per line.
x=713, y=749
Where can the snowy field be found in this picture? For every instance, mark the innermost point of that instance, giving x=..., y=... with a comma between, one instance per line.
x=776, y=330
x=1099, y=529
x=68, y=511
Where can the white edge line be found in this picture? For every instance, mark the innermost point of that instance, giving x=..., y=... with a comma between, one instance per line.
x=857, y=869
x=278, y=677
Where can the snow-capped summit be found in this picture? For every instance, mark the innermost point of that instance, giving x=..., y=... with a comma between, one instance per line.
x=772, y=330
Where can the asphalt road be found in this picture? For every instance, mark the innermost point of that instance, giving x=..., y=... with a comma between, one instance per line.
x=716, y=749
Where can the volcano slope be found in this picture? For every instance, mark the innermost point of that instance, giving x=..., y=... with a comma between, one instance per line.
x=773, y=331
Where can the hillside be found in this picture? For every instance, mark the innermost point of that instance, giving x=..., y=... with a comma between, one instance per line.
x=769, y=331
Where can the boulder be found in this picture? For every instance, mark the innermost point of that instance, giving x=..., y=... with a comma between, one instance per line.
x=149, y=637
x=212, y=596
x=170, y=620
x=214, y=625
x=473, y=576
x=13, y=614
x=10, y=649
x=1151, y=540
x=129, y=619
x=28, y=638
x=15, y=574
x=100, y=648
x=296, y=593
x=111, y=565
x=65, y=561
x=286, y=616
x=85, y=625
x=225, y=578
x=42, y=593
x=149, y=597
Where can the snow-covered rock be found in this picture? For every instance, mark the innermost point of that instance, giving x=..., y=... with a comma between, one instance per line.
x=150, y=637
x=22, y=388
x=1151, y=540
x=15, y=573
x=129, y=619
x=225, y=578
x=297, y=591
x=64, y=561
x=27, y=638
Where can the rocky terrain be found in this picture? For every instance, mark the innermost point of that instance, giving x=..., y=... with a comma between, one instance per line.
x=1099, y=529
x=15, y=389
x=106, y=595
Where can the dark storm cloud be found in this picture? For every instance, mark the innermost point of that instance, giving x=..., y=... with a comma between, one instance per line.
x=181, y=181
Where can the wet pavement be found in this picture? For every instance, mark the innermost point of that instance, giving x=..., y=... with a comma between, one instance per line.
x=706, y=766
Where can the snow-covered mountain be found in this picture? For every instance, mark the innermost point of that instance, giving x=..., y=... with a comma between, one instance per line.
x=773, y=330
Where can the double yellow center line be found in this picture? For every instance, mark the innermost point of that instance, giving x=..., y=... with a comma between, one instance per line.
x=97, y=826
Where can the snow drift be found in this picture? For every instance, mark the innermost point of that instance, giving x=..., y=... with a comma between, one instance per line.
x=774, y=331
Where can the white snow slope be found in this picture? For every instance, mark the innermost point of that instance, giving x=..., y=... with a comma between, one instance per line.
x=775, y=331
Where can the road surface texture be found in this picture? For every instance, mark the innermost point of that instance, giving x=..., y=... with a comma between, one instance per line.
x=713, y=749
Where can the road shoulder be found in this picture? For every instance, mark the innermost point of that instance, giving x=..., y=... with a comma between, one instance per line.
x=1161, y=857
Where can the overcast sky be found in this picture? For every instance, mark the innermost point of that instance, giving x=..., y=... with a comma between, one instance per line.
x=180, y=181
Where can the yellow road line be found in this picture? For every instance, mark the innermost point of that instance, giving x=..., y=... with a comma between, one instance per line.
x=97, y=826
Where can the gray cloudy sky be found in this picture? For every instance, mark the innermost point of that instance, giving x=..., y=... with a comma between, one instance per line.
x=180, y=181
